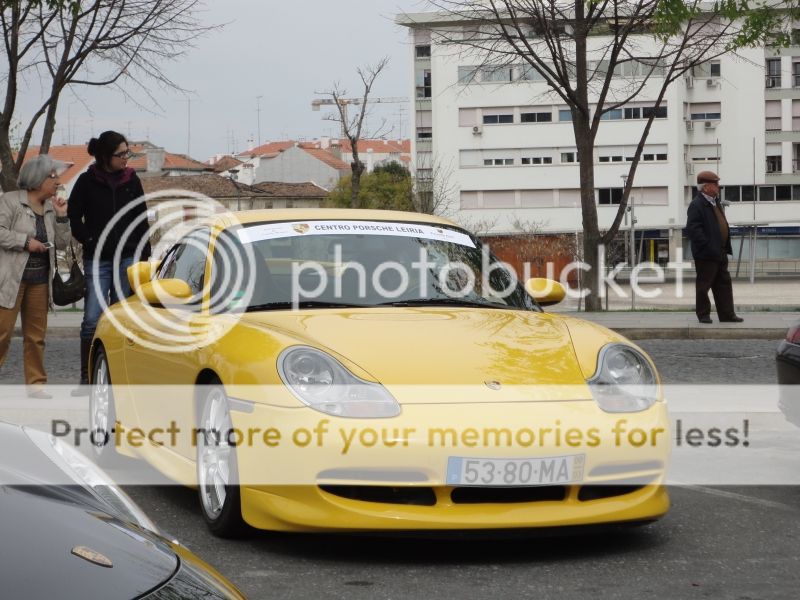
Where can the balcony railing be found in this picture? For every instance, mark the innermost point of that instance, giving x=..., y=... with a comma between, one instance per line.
x=773, y=81
x=773, y=124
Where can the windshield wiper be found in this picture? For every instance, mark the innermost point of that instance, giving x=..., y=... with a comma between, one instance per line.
x=300, y=304
x=443, y=302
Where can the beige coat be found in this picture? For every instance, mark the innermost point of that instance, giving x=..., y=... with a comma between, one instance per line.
x=17, y=224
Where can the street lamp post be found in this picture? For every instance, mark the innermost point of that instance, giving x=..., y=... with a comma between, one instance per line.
x=234, y=174
x=633, y=239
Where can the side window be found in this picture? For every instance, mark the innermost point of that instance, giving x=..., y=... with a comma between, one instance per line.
x=187, y=260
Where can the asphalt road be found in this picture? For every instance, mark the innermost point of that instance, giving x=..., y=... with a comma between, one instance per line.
x=741, y=543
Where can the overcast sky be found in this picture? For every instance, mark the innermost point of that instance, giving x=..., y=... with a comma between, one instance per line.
x=282, y=51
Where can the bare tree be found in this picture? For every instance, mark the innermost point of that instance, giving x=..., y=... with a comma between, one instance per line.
x=353, y=123
x=594, y=56
x=435, y=188
x=97, y=43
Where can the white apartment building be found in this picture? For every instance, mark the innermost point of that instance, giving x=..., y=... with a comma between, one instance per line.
x=510, y=145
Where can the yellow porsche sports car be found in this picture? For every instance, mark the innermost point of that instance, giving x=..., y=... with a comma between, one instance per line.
x=343, y=370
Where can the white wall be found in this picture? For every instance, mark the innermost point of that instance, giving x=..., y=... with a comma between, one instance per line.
x=740, y=132
x=295, y=165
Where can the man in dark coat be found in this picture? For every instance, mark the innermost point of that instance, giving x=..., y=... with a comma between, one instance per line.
x=709, y=233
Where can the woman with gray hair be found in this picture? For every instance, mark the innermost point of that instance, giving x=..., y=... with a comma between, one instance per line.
x=33, y=224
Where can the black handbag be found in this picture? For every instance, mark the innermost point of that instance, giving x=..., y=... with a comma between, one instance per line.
x=71, y=290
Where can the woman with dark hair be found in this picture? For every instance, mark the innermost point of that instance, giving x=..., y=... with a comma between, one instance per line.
x=108, y=215
x=33, y=224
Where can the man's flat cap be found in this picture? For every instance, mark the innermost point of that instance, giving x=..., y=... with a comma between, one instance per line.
x=707, y=177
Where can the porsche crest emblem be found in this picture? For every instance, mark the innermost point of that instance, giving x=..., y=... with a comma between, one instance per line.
x=92, y=556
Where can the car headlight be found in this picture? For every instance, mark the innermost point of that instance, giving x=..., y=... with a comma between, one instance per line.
x=88, y=475
x=323, y=383
x=624, y=380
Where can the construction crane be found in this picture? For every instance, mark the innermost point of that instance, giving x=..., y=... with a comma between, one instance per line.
x=345, y=102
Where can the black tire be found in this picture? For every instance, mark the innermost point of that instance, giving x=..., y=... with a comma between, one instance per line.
x=102, y=413
x=217, y=468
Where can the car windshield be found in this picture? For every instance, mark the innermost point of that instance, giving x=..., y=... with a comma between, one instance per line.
x=319, y=264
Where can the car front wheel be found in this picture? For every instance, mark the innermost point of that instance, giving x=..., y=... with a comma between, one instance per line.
x=216, y=465
x=102, y=416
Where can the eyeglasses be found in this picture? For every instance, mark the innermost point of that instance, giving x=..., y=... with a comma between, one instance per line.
x=125, y=154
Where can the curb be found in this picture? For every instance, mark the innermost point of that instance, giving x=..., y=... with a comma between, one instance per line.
x=696, y=333
x=54, y=332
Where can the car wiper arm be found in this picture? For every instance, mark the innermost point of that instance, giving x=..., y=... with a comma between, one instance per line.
x=300, y=304
x=442, y=302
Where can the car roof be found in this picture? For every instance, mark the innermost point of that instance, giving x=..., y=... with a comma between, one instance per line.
x=327, y=214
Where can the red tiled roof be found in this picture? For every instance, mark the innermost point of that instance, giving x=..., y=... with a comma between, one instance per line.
x=328, y=158
x=379, y=146
x=210, y=184
x=277, y=189
x=76, y=155
x=178, y=162
x=268, y=148
x=225, y=163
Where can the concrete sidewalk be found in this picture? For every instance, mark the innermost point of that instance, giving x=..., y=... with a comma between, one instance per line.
x=644, y=324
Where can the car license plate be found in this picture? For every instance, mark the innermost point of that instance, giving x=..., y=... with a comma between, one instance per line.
x=496, y=472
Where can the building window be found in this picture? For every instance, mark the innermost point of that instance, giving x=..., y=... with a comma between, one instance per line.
x=732, y=193
x=633, y=113
x=424, y=84
x=423, y=51
x=564, y=114
x=424, y=174
x=774, y=164
x=661, y=112
x=467, y=74
x=569, y=157
x=528, y=73
x=766, y=193
x=536, y=117
x=704, y=153
x=772, y=112
x=498, y=162
x=537, y=160
x=705, y=111
x=708, y=69
x=497, y=119
x=608, y=196
x=612, y=115
x=424, y=133
x=496, y=74
x=773, y=69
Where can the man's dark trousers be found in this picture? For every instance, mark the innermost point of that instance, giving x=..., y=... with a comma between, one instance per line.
x=713, y=275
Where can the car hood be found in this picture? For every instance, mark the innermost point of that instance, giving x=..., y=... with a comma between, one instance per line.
x=44, y=526
x=438, y=345
x=42, y=538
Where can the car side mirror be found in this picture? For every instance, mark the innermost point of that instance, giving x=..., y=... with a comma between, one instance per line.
x=165, y=292
x=140, y=273
x=545, y=291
